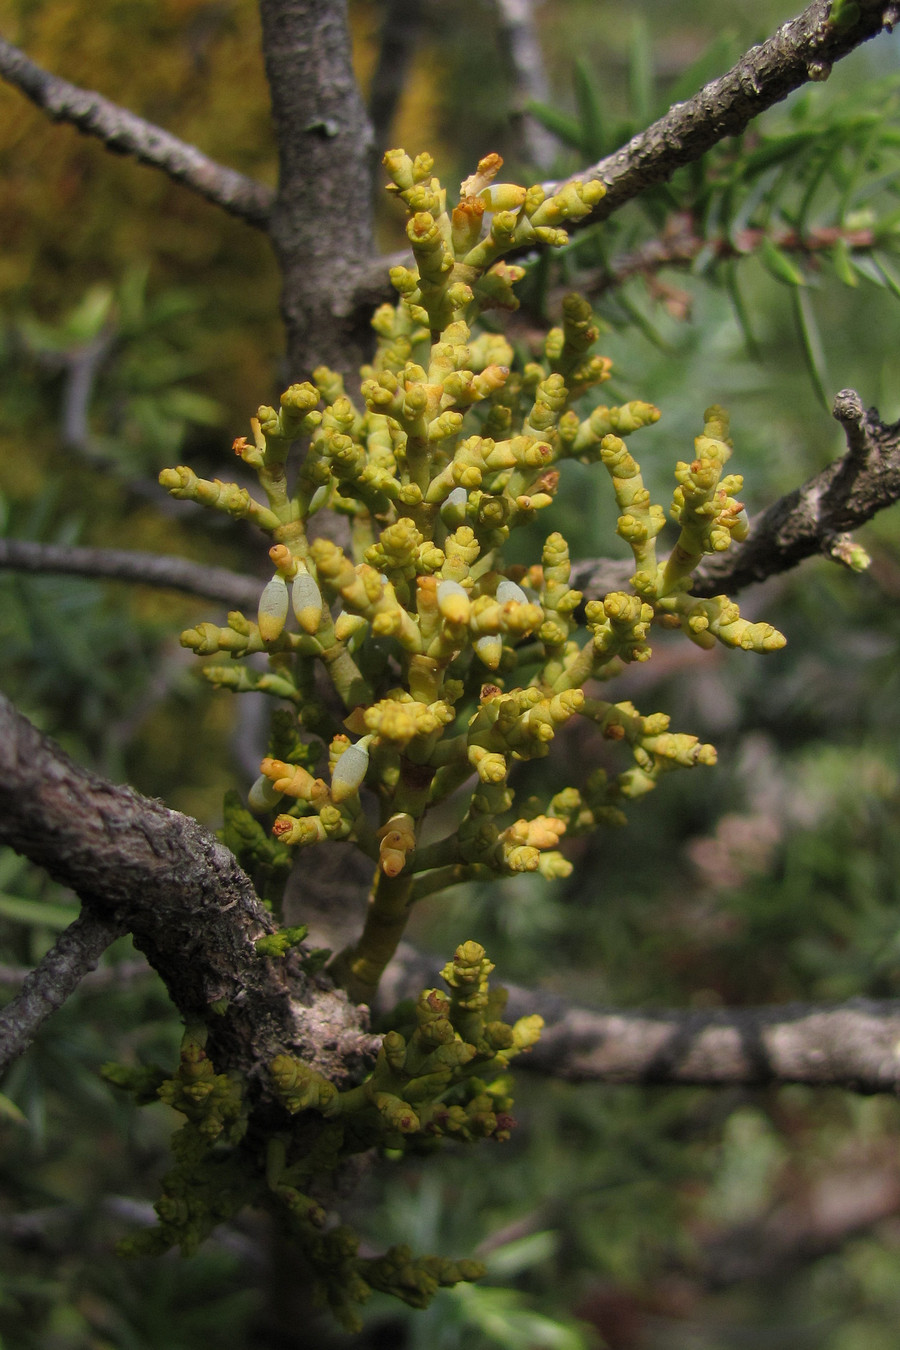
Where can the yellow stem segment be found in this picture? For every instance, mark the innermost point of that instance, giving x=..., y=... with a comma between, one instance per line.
x=359, y=968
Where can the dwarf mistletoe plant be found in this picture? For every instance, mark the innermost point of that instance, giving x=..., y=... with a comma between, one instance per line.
x=448, y=664
x=422, y=667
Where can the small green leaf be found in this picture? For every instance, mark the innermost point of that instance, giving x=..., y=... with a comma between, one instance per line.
x=640, y=71
x=776, y=262
x=843, y=267
x=9, y=1111
x=843, y=14
x=590, y=113
x=741, y=313
x=561, y=124
x=813, y=350
x=641, y=322
x=887, y=226
x=514, y=1257
x=887, y=272
x=866, y=266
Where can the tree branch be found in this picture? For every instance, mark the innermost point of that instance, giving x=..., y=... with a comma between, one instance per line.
x=526, y=62
x=127, y=134
x=147, y=569
x=401, y=26
x=804, y=49
x=46, y=988
x=193, y=912
x=808, y=521
x=322, y=225
x=679, y=244
x=851, y=1045
x=121, y=974
x=811, y=519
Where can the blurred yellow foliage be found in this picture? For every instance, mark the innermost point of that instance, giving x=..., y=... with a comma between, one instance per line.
x=73, y=214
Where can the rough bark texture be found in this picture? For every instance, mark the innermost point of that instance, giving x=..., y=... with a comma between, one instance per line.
x=321, y=227
x=193, y=912
x=128, y=134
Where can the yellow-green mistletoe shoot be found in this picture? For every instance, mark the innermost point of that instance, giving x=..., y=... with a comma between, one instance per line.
x=449, y=665
x=419, y=665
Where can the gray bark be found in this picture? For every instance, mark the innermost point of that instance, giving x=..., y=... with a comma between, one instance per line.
x=46, y=988
x=322, y=226
x=157, y=874
x=852, y=1045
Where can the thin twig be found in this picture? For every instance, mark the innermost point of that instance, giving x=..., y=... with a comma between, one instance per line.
x=146, y=569
x=813, y=519
x=128, y=134
x=122, y=973
x=46, y=988
x=678, y=245
x=803, y=50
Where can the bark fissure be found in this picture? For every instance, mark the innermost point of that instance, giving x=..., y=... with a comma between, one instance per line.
x=192, y=911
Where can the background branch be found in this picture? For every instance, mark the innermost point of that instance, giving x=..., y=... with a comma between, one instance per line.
x=147, y=569
x=128, y=134
x=679, y=244
x=46, y=988
x=398, y=39
x=120, y=974
x=526, y=61
x=851, y=1045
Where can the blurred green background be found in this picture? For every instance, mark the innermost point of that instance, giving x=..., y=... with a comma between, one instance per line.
x=140, y=329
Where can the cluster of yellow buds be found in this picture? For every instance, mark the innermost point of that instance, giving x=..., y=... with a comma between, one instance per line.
x=449, y=665
x=454, y=1041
